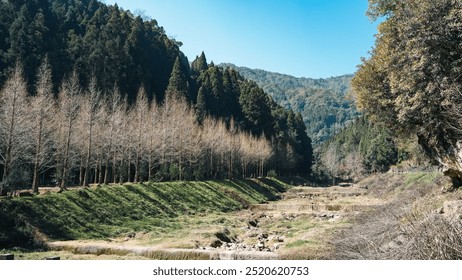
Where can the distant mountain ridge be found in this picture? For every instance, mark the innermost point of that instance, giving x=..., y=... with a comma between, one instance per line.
x=322, y=102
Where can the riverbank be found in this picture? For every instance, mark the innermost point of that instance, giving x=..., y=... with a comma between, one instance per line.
x=111, y=211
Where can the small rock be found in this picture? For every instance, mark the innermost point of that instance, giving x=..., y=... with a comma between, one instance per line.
x=221, y=235
x=216, y=243
x=262, y=236
x=253, y=223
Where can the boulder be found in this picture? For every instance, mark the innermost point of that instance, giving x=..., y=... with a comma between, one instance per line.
x=262, y=236
x=253, y=223
x=216, y=243
x=223, y=236
x=261, y=246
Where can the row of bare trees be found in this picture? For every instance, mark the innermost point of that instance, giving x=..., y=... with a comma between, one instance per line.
x=82, y=135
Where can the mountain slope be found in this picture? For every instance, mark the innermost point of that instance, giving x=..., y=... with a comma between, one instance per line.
x=321, y=102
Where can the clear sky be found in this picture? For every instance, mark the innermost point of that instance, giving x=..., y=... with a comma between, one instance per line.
x=303, y=38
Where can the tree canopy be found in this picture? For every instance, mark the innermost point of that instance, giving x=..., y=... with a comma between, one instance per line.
x=413, y=78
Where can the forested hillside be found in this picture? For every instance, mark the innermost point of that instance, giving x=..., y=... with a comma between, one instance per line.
x=363, y=148
x=321, y=102
x=92, y=93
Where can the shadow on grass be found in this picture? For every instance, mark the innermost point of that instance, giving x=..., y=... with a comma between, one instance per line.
x=104, y=211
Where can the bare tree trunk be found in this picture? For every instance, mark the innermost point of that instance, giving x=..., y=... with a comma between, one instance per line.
x=42, y=113
x=82, y=172
x=106, y=173
x=129, y=167
x=100, y=178
x=86, y=179
x=13, y=123
x=150, y=167
x=121, y=171
x=62, y=185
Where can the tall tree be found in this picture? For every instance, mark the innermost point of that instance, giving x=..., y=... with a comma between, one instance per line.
x=201, y=106
x=14, y=127
x=113, y=113
x=68, y=109
x=178, y=85
x=89, y=117
x=256, y=108
x=331, y=160
x=199, y=65
x=42, y=114
x=140, y=113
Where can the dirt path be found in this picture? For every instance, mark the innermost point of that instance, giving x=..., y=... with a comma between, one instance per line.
x=300, y=226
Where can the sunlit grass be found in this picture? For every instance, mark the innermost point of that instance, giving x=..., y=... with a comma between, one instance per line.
x=114, y=210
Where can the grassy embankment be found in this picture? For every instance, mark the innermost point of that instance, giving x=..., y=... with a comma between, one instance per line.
x=113, y=210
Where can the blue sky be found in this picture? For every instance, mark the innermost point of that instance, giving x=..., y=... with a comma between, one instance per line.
x=303, y=38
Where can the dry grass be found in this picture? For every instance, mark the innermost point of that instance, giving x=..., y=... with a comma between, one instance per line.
x=407, y=227
x=433, y=237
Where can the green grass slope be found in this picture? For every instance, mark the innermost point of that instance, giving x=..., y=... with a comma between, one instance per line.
x=107, y=211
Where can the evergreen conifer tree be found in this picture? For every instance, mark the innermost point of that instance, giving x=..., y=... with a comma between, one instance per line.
x=178, y=85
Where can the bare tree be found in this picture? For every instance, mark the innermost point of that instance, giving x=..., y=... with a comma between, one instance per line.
x=183, y=119
x=153, y=138
x=354, y=165
x=68, y=109
x=42, y=114
x=139, y=118
x=89, y=117
x=331, y=162
x=112, y=114
x=14, y=127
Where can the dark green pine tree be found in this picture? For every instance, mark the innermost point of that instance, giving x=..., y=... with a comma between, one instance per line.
x=303, y=146
x=6, y=18
x=199, y=65
x=178, y=86
x=255, y=105
x=201, y=106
